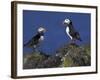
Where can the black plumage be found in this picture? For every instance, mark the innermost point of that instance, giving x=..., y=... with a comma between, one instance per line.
x=35, y=40
x=71, y=31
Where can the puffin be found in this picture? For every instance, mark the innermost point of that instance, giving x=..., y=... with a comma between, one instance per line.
x=37, y=39
x=71, y=31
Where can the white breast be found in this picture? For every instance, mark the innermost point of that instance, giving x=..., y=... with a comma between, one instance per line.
x=41, y=38
x=67, y=31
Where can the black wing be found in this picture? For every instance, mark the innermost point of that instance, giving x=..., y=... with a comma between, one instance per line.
x=33, y=41
x=78, y=36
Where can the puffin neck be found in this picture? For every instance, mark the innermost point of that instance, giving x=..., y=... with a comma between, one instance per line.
x=41, y=33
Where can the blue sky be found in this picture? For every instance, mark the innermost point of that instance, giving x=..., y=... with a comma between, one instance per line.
x=55, y=37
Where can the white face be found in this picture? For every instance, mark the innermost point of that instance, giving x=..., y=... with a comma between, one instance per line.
x=67, y=21
x=41, y=29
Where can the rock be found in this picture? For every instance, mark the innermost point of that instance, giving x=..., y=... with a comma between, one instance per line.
x=51, y=62
x=74, y=55
x=70, y=55
x=32, y=60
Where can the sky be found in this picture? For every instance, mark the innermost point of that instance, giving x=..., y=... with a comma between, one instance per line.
x=55, y=36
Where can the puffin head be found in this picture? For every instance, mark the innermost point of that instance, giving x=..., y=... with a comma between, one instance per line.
x=67, y=22
x=41, y=30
